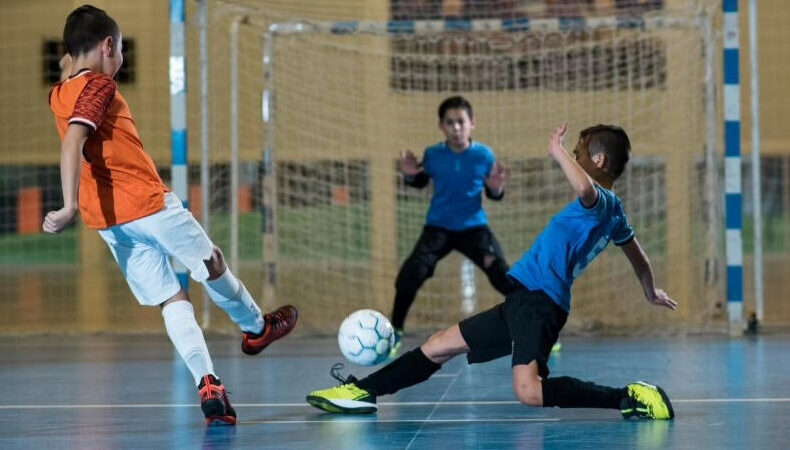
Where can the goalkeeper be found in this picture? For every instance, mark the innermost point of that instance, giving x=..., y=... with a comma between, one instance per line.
x=461, y=170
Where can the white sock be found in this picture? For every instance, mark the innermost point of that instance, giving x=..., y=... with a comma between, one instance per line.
x=187, y=338
x=230, y=294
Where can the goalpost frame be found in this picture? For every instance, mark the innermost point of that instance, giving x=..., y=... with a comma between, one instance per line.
x=394, y=28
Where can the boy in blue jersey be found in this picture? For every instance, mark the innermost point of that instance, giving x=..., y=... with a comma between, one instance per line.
x=528, y=322
x=461, y=169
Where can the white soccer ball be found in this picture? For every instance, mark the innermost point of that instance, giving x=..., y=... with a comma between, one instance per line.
x=366, y=337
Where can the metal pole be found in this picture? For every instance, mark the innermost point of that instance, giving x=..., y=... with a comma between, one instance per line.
x=178, y=116
x=756, y=174
x=712, y=191
x=732, y=168
x=268, y=173
x=205, y=202
x=234, y=142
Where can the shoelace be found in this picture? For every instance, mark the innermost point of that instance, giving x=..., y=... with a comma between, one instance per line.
x=280, y=319
x=335, y=372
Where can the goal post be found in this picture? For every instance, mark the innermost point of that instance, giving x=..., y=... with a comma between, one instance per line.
x=337, y=101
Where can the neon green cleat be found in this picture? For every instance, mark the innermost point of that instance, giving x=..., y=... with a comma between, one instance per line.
x=346, y=398
x=556, y=347
x=647, y=402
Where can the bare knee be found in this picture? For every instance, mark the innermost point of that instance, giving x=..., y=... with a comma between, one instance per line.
x=216, y=264
x=527, y=384
x=180, y=296
x=529, y=394
x=444, y=345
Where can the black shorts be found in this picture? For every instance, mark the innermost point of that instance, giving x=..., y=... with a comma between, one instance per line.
x=526, y=324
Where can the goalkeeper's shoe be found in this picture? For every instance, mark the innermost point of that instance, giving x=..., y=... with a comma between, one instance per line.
x=397, y=345
x=646, y=401
x=347, y=398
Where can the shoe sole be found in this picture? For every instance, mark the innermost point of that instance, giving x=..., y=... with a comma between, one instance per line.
x=213, y=421
x=326, y=405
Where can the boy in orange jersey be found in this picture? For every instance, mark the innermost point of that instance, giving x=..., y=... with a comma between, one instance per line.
x=143, y=223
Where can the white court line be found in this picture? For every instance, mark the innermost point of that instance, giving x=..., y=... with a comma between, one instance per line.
x=374, y=420
x=304, y=404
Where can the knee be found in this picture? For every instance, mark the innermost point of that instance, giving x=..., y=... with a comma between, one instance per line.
x=216, y=264
x=441, y=347
x=529, y=392
x=413, y=272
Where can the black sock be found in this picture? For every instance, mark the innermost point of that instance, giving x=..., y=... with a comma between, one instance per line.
x=567, y=392
x=411, y=368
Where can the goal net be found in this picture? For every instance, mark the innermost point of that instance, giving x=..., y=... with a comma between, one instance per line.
x=320, y=109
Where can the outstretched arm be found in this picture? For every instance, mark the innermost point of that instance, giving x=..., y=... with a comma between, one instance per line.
x=70, y=154
x=413, y=175
x=580, y=181
x=644, y=272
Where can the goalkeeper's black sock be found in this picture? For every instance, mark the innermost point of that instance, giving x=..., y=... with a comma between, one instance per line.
x=411, y=368
x=567, y=392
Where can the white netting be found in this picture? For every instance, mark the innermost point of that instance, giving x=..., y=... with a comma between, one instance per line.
x=345, y=104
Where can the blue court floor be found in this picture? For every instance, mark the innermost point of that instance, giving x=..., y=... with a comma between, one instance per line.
x=133, y=392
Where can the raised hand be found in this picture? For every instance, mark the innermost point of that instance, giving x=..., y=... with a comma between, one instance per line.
x=556, y=147
x=408, y=163
x=496, y=179
x=56, y=221
x=660, y=298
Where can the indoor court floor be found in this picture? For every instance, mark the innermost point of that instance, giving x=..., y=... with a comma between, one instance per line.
x=113, y=392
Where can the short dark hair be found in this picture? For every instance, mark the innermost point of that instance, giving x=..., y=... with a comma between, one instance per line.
x=612, y=141
x=85, y=27
x=455, y=102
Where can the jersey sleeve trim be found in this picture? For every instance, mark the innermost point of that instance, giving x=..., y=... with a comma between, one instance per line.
x=84, y=122
x=626, y=240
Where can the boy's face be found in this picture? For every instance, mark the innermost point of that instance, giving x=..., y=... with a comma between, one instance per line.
x=457, y=127
x=582, y=154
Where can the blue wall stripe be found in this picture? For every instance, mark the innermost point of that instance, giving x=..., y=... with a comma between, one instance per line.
x=573, y=23
x=344, y=27
x=515, y=24
x=626, y=22
x=732, y=138
x=734, y=283
x=458, y=25
x=400, y=26
x=734, y=212
x=731, y=71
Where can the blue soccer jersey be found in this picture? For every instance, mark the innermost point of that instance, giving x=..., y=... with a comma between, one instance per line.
x=571, y=240
x=458, y=181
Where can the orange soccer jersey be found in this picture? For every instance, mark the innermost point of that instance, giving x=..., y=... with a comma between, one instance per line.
x=118, y=180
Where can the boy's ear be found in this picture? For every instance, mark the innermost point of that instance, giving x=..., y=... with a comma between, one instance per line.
x=472, y=122
x=600, y=160
x=108, y=46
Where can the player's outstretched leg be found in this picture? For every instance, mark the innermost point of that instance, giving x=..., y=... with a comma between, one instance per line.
x=415, y=366
x=277, y=324
x=646, y=401
x=214, y=402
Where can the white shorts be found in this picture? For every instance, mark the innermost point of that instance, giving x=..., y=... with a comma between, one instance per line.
x=143, y=248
